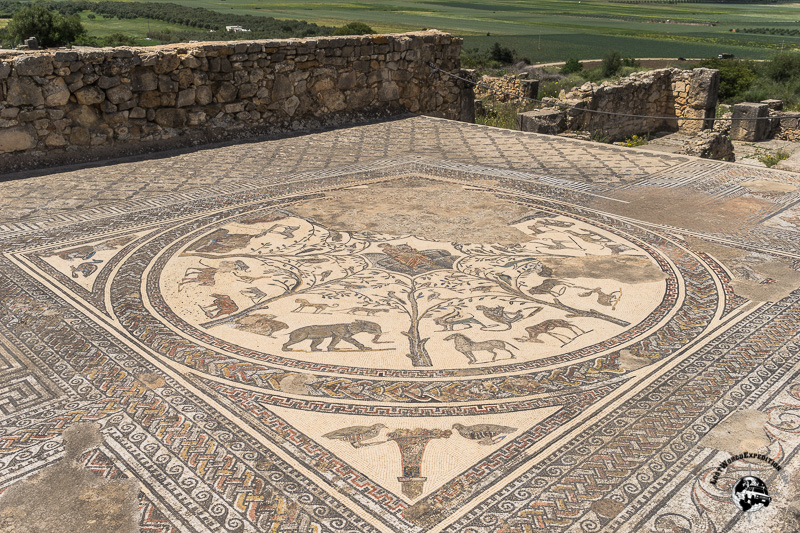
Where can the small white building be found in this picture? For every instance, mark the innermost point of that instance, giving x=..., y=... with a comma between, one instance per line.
x=235, y=28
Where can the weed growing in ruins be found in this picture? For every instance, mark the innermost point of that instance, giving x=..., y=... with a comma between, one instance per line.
x=773, y=159
x=599, y=136
x=635, y=140
x=503, y=115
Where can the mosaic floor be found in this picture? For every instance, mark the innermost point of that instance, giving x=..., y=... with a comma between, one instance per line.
x=345, y=331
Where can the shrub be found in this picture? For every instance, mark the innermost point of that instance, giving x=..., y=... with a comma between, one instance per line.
x=611, y=64
x=49, y=27
x=783, y=67
x=735, y=76
x=354, y=28
x=571, y=66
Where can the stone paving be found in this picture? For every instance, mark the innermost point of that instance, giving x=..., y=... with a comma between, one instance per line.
x=403, y=326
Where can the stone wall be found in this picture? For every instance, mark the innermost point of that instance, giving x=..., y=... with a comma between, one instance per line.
x=660, y=93
x=75, y=105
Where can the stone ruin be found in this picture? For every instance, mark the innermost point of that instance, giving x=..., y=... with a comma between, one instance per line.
x=674, y=93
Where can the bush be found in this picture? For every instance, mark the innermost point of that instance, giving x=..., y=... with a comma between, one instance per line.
x=735, y=76
x=630, y=62
x=783, y=67
x=501, y=54
x=611, y=64
x=354, y=28
x=49, y=27
x=571, y=66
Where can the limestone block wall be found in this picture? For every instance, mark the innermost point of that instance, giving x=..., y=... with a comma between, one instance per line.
x=75, y=105
x=657, y=93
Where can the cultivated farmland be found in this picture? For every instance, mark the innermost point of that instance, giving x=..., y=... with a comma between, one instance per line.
x=546, y=30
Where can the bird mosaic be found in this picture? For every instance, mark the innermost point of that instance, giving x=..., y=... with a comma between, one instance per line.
x=356, y=435
x=485, y=434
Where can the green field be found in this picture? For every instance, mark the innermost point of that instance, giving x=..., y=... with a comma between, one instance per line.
x=540, y=30
x=553, y=30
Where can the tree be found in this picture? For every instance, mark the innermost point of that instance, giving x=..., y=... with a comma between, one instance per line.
x=571, y=66
x=421, y=287
x=50, y=28
x=612, y=62
x=354, y=28
x=501, y=54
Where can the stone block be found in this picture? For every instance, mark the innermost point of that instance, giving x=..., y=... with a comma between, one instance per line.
x=703, y=88
x=167, y=62
x=709, y=145
x=530, y=88
x=34, y=65
x=89, y=95
x=144, y=79
x=774, y=105
x=549, y=121
x=291, y=105
x=749, y=122
x=204, y=95
x=695, y=126
x=24, y=91
x=107, y=82
x=119, y=94
x=170, y=118
x=282, y=88
x=150, y=99
x=186, y=97
x=84, y=116
x=56, y=93
x=17, y=139
x=247, y=90
x=388, y=91
x=224, y=91
x=79, y=137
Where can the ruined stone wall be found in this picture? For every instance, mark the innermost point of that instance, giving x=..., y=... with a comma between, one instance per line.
x=499, y=88
x=784, y=125
x=657, y=93
x=76, y=105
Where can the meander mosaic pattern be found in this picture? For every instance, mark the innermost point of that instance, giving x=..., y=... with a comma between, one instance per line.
x=259, y=369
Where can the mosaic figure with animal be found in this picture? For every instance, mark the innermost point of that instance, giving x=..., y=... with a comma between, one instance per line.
x=337, y=276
